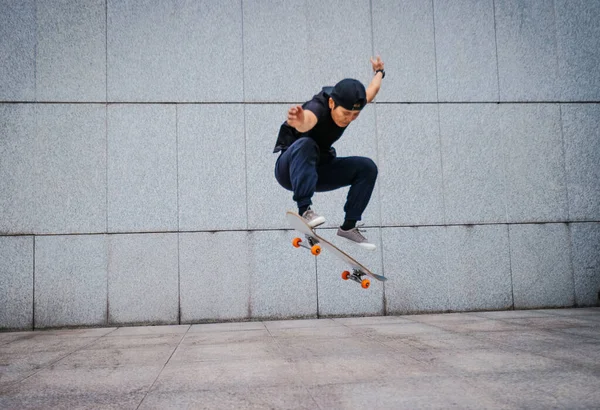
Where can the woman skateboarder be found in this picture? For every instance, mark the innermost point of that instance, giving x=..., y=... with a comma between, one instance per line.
x=308, y=162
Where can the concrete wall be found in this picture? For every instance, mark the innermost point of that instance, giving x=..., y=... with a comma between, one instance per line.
x=136, y=173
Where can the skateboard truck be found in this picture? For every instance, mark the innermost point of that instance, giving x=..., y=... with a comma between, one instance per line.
x=313, y=245
x=356, y=276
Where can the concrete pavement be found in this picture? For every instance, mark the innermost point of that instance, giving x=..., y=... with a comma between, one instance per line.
x=537, y=359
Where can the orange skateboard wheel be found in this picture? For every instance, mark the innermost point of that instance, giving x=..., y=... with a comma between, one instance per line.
x=296, y=242
x=345, y=275
x=365, y=283
x=315, y=250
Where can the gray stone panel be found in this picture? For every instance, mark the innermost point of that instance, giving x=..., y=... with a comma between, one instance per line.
x=347, y=298
x=276, y=51
x=282, y=278
x=466, y=50
x=143, y=284
x=479, y=268
x=17, y=169
x=211, y=161
x=70, y=168
x=360, y=139
x=585, y=238
x=141, y=51
x=542, y=272
x=16, y=282
x=535, y=163
x=17, y=48
x=71, y=51
x=339, y=42
x=174, y=51
x=403, y=34
x=578, y=41
x=142, y=168
x=527, y=61
x=71, y=274
x=209, y=65
x=414, y=261
x=215, y=282
x=410, y=165
x=473, y=164
x=267, y=200
x=581, y=131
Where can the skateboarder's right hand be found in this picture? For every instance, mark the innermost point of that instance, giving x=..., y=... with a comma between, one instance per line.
x=301, y=119
x=295, y=116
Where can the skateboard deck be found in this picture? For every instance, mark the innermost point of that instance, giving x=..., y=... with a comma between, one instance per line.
x=315, y=243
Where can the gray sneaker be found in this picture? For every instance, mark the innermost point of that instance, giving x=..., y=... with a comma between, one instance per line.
x=355, y=235
x=312, y=219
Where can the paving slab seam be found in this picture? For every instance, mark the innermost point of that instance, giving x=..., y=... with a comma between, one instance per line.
x=163, y=368
x=291, y=363
x=507, y=348
x=11, y=385
x=594, y=368
x=559, y=330
x=6, y=343
x=512, y=349
x=382, y=343
x=589, y=338
x=485, y=314
x=534, y=387
x=548, y=311
x=499, y=345
x=591, y=369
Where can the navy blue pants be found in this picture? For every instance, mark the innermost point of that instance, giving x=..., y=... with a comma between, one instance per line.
x=303, y=170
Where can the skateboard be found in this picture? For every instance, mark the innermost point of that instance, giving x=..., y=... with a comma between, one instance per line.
x=315, y=243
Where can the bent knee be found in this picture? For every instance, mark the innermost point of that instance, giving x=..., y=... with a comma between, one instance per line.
x=370, y=167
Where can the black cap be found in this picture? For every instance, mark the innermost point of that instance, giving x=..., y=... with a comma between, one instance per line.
x=350, y=94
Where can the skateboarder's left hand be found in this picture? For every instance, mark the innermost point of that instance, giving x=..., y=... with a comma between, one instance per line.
x=377, y=63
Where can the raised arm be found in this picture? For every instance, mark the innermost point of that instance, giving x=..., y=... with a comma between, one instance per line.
x=301, y=119
x=375, y=85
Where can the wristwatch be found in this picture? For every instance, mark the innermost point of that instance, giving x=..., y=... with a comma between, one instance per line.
x=382, y=73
